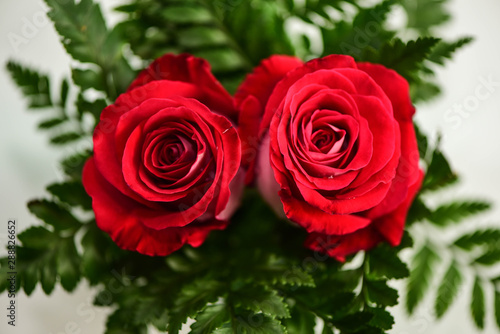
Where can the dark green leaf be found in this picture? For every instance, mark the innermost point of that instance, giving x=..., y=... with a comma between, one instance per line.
x=456, y=211
x=301, y=321
x=94, y=263
x=488, y=258
x=65, y=138
x=222, y=59
x=87, y=79
x=201, y=36
x=497, y=307
x=150, y=310
x=85, y=36
x=52, y=122
x=354, y=322
x=72, y=193
x=53, y=214
x=48, y=275
x=444, y=50
x=94, y=108
x=81, y=27
x=120, y=322
x=258, y=300
x=447, y=289
x=384, y=262
x=35, y=86
x=37, y=237
x=279, y=274
x=421, y=269
x=439, y=173
x=257, y=323
x=381, y=318
x=404, y=58
x=30, y=277
x=423, y=15
x=486, y=237
x=212, y=317
x=68, y=262
x=380, y=293
x=418, y=211
x=192, y=298
x=186, y=14
x=179, y=263
x=424, y=91
x=354, y=36
x=477, y=304
x=422, y=141
x=73, y=165
x=64, y=93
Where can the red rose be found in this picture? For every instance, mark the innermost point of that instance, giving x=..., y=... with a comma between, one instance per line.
x=337, y=148
x=165, y=154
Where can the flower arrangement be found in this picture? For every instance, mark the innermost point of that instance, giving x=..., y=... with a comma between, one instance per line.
x=244, y=178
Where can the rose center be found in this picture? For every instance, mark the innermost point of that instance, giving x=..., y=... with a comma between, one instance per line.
x=175, y=150
x=329, y=139
x=172, y=153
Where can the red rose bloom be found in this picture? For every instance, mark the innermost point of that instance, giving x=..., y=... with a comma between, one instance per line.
x=337, y=148
x=165, y=154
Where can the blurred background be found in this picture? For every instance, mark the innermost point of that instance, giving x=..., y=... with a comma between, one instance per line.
x=470, y=138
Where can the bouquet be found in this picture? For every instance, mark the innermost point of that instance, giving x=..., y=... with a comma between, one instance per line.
x=250, y=167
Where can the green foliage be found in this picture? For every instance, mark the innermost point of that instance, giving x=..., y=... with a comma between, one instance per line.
x=447, y=290
x=71, y=193
x=444, y=50
x=54, y=214
x=405, y=58
x=497, y=307
x=420, y=276
x=439, y=173
x=485, y=237
x=87, y=39
x=384, y=262
x=477, y=304
x=365, y=31
x=232, y=35
x=211, y=318
x=455, y=212
x=425, y=15
x=278, y=287
x=35, y=86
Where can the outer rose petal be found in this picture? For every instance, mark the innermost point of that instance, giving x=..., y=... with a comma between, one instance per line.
x=251, y=99
x=116, y=215
x=389, y=227
x=395, y=86
x=189, y=69
x=281, y=88
x=260, y=83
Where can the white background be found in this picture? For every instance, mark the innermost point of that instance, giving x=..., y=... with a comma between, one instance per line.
x=28, y=164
